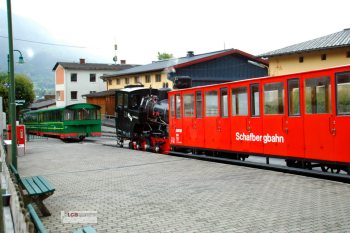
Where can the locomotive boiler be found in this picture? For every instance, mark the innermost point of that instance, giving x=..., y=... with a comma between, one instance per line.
x=142, y=118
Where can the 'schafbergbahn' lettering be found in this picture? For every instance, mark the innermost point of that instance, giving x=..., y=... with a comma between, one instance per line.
x=259, y=138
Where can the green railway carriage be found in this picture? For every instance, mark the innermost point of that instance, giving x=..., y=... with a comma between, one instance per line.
x=75, y=121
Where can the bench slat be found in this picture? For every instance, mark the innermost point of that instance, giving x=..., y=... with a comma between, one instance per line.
x=30, y=186
x=36, y=220
x=43, y=184
x=27, y=186
x=89, y=230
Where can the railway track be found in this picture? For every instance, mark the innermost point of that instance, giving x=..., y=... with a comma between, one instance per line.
x=273, y=167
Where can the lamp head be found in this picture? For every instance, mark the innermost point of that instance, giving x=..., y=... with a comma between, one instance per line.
x=21, y=60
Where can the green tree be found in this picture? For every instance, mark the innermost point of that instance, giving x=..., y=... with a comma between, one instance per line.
x=24, y=90
x=164, y=56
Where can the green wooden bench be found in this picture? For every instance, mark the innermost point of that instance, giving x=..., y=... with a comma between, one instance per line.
x=87, y=229
x=36, y=220
x=37, y=188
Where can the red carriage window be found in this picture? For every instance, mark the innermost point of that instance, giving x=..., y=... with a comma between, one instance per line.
x=254, y=100
x=317, y=95
x=199, y=104
x=294, y=97
x=223, y=102
x=178, y=106
x=211, y=103
x=343, y=93
x=188, y=105
x=239, y=101
x=172, y=106
x=273, y=98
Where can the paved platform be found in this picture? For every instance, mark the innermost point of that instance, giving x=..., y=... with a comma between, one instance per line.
x=135, y=191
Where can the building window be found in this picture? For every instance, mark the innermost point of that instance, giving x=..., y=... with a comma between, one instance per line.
x=301, y=59
x=148, y=78
x=324, y=57
x=126, y=80
x=118, y=81
x=92, y=78
x=73, y=95
x=110, y=82
x=58, y=95
x=73, y=77
x=158, y=78
x=136, y=79
x=348, y=54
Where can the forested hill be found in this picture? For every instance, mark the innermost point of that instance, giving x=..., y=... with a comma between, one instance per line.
x=39, y=58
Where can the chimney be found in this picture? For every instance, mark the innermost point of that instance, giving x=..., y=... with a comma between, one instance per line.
x=82, y=61
x=190, y=54
x=122, y=62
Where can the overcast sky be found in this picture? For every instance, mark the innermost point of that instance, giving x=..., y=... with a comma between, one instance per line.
x=141, y=28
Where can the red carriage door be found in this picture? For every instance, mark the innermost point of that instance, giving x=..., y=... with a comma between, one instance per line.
x=294, y=123
x=239, y=118
x=223, y=122
x=319, y=139
x=274, y=119
x=254, y=122
x=175, y=120
x=188, y=129
x=197, y=126
x=211, y=119
x=340, y=126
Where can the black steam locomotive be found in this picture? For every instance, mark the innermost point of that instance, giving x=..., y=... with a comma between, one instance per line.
x=142, y=116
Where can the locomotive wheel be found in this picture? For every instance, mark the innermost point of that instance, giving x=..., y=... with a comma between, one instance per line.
x=331, y=169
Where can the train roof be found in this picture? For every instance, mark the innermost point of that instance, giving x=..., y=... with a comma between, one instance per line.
x=266, y=77
x=72, y=107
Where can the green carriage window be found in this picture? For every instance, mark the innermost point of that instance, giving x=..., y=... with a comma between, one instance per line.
x=211, y=103
x=343, y=93
x=239, y=101
x=318, y=95
x=188, y=105
x=273, y=98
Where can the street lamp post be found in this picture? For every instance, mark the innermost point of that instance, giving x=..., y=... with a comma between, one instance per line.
x=12, y=88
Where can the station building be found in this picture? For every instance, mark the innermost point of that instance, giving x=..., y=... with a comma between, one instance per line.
x=324, y=52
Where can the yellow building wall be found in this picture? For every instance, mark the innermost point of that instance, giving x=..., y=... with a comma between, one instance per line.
x=141, y=79
x=288, y=64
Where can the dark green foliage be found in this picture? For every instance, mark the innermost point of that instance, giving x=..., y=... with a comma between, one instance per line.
x=24, y=90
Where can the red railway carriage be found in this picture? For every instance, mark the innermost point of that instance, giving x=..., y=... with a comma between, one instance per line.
x=302, y=117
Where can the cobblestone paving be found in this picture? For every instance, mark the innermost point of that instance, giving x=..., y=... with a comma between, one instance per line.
x=135, y=191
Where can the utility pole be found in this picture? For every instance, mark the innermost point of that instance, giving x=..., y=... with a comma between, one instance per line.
x=12, y=114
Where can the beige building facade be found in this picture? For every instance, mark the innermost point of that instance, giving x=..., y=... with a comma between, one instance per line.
x=324, y=52
x=149, y=79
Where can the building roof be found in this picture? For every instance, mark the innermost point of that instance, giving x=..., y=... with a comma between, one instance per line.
x=101, y=93
x=176, y=63
x=335, y=40
x=43, y=104
x=92, y=66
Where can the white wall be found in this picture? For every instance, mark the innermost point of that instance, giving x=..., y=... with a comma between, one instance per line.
x=82, y=85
